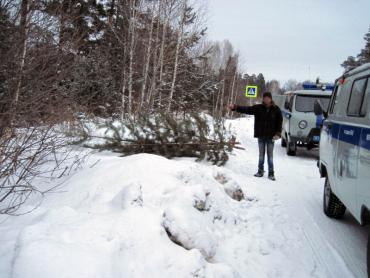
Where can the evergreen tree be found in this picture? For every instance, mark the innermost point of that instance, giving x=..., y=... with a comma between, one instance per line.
x=6, y=30
x=80, y=22
x=7, y=66
x=362, y=58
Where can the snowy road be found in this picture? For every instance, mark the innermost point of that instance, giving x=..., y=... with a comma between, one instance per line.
x=338, y=247
x=127, y=217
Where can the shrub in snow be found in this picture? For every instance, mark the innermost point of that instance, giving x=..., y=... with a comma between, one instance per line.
x=27, y=154
x=169, y=135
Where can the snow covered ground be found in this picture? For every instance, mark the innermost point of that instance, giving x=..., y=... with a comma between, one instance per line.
x=146, y=216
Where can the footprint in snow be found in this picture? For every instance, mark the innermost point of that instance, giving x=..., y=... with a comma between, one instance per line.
x=264, y=248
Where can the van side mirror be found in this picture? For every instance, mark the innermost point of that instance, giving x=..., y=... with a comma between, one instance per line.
x=319, y=109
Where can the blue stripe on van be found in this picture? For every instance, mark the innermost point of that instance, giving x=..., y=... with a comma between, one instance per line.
x=358, y=136
x=350, y=134
x=365, y=138
x=333, y=131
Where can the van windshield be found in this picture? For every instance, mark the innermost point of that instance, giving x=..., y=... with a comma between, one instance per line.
x=307, y=103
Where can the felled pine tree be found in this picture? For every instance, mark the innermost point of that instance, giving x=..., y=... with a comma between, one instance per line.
x=188, y=135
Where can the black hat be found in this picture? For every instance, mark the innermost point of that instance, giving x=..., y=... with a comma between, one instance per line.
x=267, y=94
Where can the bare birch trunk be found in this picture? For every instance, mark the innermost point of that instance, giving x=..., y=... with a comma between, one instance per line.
x=234, y=101
x=177, y=54
x=147, y=61
x=217, y=101
x=222, y=95
x=123, y=97
x=131, y=53
x=153, y=90
x=153, y=87
x=161, y=55
x=231, y=95
x=23, y=51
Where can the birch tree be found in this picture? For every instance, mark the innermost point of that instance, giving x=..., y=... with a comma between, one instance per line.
x=177, y=53
x=167, y=13
x=153, y=85
x=24, y=24
x=231, y=95
x=148, y=55
x=132, y=36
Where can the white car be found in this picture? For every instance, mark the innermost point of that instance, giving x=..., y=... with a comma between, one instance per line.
x=301, y=127
x=345, y=147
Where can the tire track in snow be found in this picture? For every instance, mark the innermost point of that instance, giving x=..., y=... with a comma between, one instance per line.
x=329, y=237
x=300, y=190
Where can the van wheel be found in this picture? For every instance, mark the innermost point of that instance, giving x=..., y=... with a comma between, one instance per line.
x=368, y=257
x=333, y=207
x=291, y=147
x=283, y=142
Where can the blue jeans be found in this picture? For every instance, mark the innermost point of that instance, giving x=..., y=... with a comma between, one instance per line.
x=263, y=145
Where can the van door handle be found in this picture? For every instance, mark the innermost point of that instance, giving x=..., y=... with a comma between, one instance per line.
x=341, y=168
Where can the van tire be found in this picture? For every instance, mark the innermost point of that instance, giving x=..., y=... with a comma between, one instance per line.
x=283, y=142
x=368, y=256
x=291, y=148
x=333, y=207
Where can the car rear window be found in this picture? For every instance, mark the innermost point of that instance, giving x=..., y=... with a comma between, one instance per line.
x=366, y=104
x=357, y=97
x=307, y=103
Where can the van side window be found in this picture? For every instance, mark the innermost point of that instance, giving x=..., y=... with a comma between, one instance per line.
x=288, y=102
x=291, y=102
x=356, y=98
x=333, y=101
x=366, y=98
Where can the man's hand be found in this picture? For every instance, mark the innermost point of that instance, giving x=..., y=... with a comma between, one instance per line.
x=232, y=107
x=276, y=137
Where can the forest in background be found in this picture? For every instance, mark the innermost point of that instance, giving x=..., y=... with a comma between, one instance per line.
x=112, y=58
x=138, y=67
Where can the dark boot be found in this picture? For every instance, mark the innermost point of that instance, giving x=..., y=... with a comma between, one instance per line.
x=259, y=174
x=272, y=176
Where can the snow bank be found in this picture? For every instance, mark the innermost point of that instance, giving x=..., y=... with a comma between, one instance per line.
x=147, y=216
x=124, y=217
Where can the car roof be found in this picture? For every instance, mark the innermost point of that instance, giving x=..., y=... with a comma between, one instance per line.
x=310, y=93
x=356, y=70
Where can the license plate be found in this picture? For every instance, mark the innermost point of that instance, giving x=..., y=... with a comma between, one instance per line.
x=316, y=138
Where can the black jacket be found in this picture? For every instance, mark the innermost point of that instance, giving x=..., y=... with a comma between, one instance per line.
x=268, y=121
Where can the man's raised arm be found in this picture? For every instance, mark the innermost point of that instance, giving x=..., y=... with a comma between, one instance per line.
x=242, y=109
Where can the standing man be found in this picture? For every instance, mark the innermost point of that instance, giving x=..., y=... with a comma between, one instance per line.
x=267, y=128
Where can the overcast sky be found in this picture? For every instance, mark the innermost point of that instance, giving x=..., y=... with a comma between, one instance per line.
x=291, y=39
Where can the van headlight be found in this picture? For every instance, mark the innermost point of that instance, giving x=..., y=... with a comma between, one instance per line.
x=302, y=124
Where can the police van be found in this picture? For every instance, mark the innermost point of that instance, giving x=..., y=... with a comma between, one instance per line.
x=301, y=127
x=345, y=147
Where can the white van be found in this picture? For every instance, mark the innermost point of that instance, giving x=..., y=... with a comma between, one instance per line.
x=345, y=147
x=301, y=127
